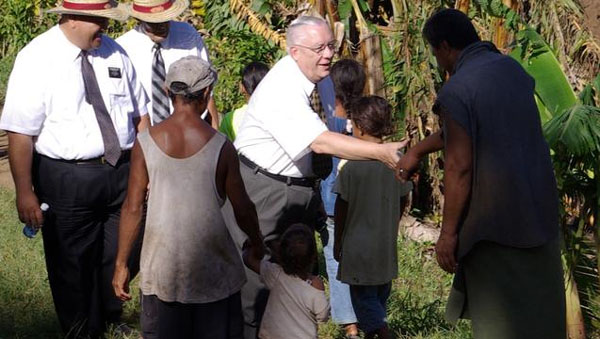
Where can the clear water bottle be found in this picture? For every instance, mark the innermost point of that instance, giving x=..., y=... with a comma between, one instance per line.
x=30, y=231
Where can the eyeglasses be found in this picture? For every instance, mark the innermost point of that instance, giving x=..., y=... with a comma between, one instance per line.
x=321, y=48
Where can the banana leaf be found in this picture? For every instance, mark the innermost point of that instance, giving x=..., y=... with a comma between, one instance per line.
x=577, y=130
x=551, y=85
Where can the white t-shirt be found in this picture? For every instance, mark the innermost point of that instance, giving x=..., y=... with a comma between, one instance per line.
x=294, y=306
x=46, y=96
x=183, y=40
x=280, y=124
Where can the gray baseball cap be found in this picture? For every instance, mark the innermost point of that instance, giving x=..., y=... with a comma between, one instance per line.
x=189, y=75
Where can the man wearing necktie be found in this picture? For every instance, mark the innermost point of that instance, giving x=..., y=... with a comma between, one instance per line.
x=156, y=43
x=284, y=145
x=73, y=108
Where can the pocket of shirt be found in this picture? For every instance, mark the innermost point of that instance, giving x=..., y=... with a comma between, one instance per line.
x=122, y=112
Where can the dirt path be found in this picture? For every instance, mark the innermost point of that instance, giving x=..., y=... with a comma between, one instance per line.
x=5, y=177
x=591, y=9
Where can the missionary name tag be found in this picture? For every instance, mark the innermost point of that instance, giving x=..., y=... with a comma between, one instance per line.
x=114, y=72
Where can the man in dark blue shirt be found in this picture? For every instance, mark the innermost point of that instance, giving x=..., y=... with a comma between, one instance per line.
x=500, y=219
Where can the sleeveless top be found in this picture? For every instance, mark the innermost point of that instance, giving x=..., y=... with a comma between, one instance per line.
x=188, y=255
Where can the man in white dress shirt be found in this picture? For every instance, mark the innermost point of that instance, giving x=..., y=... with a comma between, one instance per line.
x=157, y=36
x=278, y=137
x=72, y=109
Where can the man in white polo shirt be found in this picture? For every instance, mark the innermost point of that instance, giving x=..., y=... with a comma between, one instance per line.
x=156, y=43
x=279, y=136
x=72, y=108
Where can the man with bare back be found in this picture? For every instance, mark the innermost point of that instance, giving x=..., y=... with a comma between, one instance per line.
x=191, y=273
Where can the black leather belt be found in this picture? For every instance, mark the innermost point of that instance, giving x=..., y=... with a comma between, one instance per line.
x=125, y=156
x=305, y=182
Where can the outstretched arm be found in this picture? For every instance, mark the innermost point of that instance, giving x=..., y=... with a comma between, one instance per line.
x=131, y=218
x=343, y=146
x=410, y=161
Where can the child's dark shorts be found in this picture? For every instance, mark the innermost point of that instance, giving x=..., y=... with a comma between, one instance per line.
x=369, y=303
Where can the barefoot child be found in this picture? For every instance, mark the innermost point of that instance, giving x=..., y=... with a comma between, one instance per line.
x=367, y=213
x=297, y=299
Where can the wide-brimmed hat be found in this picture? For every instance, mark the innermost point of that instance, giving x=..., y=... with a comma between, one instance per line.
x=190, y=74
x=102, y=8
x=157, y=10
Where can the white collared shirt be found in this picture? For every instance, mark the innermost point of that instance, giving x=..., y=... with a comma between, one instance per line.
x=46, y=97
x=183, y=40
x=280, y=124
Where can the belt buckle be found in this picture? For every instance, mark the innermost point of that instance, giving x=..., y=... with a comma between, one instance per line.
x=103, y=160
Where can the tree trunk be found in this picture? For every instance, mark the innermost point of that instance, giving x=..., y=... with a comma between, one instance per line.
x=501, y=35
x=463, y=5
x=575, y=325
x=370, y=53
x=320, y=7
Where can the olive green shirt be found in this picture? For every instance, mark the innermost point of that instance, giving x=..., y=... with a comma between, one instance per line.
x=369, y=254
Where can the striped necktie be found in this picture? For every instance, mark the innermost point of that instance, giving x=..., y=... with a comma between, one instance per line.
x=160, y=100
x=93, y=96
x=322, y=164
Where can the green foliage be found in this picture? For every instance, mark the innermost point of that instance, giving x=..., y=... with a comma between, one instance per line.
x=497, y=9
x=6, y=64
x=232, y=46
x=577, y=131
x=21, y=22
x=551, y=85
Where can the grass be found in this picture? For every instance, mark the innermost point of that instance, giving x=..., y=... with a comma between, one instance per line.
x=6, y=64
x=416, y=306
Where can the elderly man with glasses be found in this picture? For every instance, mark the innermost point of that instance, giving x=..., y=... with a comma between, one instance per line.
x=283, y=135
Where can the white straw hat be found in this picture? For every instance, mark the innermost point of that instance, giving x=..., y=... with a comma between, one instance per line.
x=102, y=8
x=157, y=10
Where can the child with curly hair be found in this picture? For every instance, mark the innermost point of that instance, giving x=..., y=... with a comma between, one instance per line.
x=297, y=300
x=367, y=213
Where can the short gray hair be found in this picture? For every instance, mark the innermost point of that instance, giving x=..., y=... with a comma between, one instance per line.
x=294, y=30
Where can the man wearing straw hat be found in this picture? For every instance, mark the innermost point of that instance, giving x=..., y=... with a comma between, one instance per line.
x=156, y=43
x=73, y=106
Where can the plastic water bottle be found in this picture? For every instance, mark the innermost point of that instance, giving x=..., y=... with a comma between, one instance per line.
x=30, y=231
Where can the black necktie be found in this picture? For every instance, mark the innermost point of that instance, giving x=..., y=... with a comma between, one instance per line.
x=160, y=101
x=321, y=163
x=112, y=148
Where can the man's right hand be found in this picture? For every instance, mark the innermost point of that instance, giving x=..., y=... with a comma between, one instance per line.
x=407, y=166
x=121, y=282
x=28, y=207
x=391, y=149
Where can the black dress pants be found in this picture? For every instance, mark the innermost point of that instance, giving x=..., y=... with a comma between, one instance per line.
x=80, y=235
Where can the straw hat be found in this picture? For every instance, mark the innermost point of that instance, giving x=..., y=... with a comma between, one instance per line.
x=157, y=10
x=102, y=8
